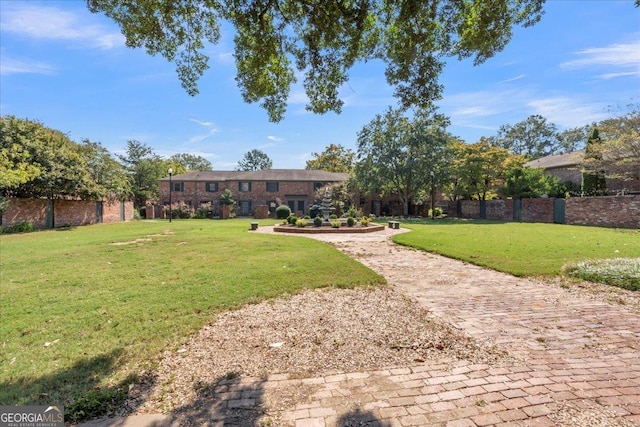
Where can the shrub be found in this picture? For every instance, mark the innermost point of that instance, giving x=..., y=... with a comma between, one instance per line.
x=437, y=212
x=307, y=217
x=335, y=223
x=283, y=211
x=317, y=221
x=204, y=211
x=301, y=222
x=353, y=212
x=292, y=219
x=620, y=272
x=350, y=221
x=365, y=220
x=333, y=216
x=23, y=227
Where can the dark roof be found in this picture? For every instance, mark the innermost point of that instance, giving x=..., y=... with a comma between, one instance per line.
x=263, y=175
x=557, y=161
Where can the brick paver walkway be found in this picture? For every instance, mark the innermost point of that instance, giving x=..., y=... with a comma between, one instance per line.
x=577, y=359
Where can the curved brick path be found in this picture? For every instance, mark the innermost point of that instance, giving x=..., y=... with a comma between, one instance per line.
x=578, y=359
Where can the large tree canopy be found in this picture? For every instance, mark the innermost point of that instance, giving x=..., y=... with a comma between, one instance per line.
x=334, y=158
x=254, y=160
x=322, y=39
x=36, y=161
x=397, y=155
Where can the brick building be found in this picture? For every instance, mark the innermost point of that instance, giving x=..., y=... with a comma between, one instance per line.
x=568, y=168
x=270, y=187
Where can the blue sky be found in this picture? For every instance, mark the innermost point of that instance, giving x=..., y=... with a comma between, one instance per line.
x=70, y=69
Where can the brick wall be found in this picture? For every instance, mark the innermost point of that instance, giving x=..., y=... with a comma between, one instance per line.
x=537, y=210
x=43, y=213
x=470, y=208
x=74, y=212
x=609, y=211
x=29, y=210
x=499, y=210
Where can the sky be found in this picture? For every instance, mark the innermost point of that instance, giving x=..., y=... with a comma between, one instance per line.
x=70, y=70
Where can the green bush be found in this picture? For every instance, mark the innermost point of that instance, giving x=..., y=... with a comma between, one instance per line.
x=335, y=223
x=333, y=216
x=283, y=211
x=292, y=219
x=365, y=220
x=23, y=227
x=353, y=212
x=350, y=221
x=317, y=221
x=307, y=217
x=437, y=212
x=204, y=211
x=301, y=222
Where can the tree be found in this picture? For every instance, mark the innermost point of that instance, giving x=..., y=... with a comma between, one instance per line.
x=191, y=162
x=37, y=161
x=254, y=160
x=15, y=167
x=573, y=139
x=619, y=152
x=524, y=182
x=144, y=168
x=593, y=181
x=533, y=138
x=396, y=155
x=335, y=158
x=105, y=170
x=479, y=169
x=322, y=40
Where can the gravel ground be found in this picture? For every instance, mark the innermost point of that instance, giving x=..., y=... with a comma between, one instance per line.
x=321, y=331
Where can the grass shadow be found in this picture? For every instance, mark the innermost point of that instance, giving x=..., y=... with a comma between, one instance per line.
x=76, y=388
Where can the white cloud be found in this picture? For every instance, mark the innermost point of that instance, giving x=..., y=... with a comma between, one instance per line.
x=513, y=79
x=24, y=66
x=568, y=112
x=51, y=23
x=624, y=56
x=483, y=103
x=199, y=138
x=208, y=124
x=274, y=138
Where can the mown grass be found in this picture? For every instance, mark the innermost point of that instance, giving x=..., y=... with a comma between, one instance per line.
x=92, y=307
x=521, y=249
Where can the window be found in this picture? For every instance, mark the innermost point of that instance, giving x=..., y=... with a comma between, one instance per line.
x=212, y=187
x=301, y=205
x=272, y=187
x=244, y=187
x=178, y=186
x=317, y=185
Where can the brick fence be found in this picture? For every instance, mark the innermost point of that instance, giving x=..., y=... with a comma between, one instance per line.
x=48, y=213
x=607, y=211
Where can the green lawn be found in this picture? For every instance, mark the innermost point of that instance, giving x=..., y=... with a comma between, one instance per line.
x=522, y=249
x=88, y=306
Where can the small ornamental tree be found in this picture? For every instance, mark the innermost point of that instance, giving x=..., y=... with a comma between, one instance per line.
x=593, y=181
